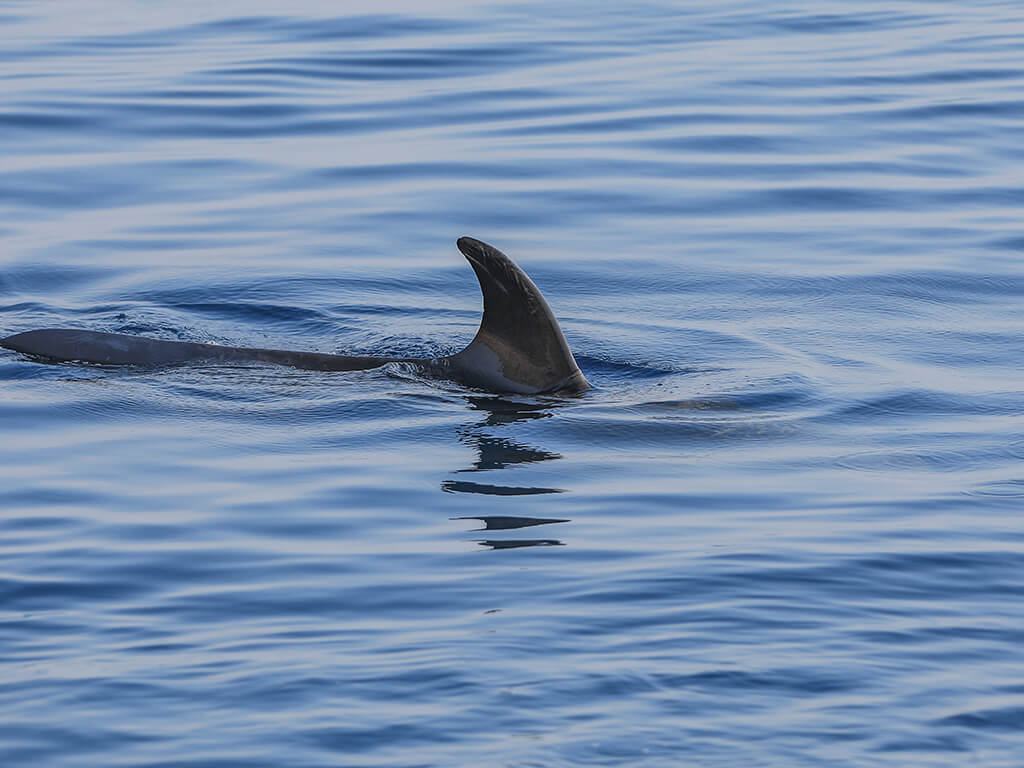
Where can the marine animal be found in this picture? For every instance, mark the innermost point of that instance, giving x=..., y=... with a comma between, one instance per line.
x=519, y=347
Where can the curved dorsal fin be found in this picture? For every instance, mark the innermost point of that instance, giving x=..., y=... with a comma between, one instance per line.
x=519, y=347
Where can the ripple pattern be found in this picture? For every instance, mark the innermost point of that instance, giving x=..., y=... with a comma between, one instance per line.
x=784, y=243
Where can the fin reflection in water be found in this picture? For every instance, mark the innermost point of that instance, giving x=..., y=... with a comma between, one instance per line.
x=519, y=543
x=503, y=523
x=461, y=486
x=502, y=411
x=496, y=452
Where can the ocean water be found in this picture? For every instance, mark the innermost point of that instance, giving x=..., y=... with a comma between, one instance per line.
x=784, y=240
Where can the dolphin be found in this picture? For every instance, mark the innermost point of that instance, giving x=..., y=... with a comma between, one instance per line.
x=518, y=348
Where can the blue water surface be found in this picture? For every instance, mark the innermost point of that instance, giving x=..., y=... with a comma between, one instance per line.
x=784, y=240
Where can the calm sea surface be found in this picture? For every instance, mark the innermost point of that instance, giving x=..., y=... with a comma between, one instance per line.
x=785, y=241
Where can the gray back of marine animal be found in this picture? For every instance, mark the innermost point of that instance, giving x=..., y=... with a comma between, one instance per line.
x=519, y=347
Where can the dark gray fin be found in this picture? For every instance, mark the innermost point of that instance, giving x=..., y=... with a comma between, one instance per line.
x=519, y=347
x=121, y=349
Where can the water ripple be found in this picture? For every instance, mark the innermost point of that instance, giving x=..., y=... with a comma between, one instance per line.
x=783, y=244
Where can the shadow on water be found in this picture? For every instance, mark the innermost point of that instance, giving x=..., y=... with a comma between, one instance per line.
x=495, y=452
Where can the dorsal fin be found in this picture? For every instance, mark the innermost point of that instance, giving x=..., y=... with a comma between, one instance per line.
x=519, y=347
